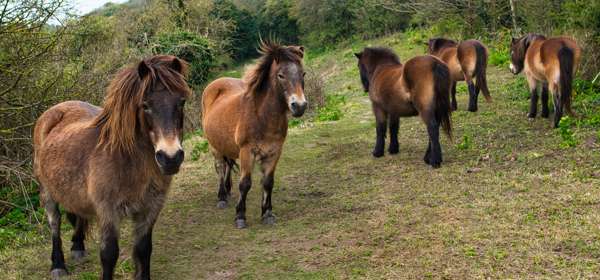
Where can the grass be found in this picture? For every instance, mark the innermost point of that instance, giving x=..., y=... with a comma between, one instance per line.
x=513, y=204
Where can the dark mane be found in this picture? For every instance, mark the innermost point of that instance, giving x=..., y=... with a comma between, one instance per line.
x=380, y=55
x=257, y=76
x=118, y=122
x=436, y=44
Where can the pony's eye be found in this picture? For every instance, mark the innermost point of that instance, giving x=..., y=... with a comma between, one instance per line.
x=280, y=76
x=146, y=107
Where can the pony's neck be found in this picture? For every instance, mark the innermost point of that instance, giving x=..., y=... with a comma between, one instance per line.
x=270, y=110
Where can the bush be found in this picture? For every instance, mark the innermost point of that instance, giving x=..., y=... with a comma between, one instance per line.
x=566, y=134
x=200, y=148
x=332, y=110
x=191, y=47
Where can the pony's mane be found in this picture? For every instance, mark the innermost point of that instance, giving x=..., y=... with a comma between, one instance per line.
x=118, y=122
x=379, y=55
x=256, y=76
x=440, y=42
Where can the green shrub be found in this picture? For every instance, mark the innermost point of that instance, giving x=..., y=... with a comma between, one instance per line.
x=566, y=134
x=332, y=110
x=499, y=58
x=200, y=148
x=466, y=143
x=586, y=99
x=191, y=47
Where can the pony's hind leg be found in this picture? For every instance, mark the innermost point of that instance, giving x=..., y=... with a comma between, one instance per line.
x=533, y=89
x=394, y=126
x=222, y=168
x=473, y=94
x=545, y=111
x=454, y=105
x=434, y=149
x=80, y=225
x=58, y=269
x=381, y=127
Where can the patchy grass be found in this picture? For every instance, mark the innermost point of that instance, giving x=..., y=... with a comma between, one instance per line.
x=514, y=205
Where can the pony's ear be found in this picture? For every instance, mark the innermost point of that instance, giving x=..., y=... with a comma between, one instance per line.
x=177, y=65
x=143, y=69
x=358, y=55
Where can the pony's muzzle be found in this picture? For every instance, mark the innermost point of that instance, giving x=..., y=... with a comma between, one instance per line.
x=298, y=108
x=169, y=164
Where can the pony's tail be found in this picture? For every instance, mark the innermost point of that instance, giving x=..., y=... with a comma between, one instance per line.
x=566, y=61
x=480, y=71
x=441, y=95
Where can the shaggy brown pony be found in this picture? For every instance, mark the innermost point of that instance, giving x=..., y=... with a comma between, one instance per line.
x=247, y=120
x=419, y=87
x=466, y=60
x=113, y=162
x=551, y=62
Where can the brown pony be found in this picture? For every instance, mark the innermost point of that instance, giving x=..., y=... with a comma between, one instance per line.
x=419, y=87
x=551, y=62
x=247, y=120
x=114, y=162
x=466, y=60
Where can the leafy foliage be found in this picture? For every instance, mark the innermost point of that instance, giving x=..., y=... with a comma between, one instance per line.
x=190, y=47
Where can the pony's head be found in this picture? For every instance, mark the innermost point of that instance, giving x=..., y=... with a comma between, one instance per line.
x=518, y=49
x=146, y=102
x=370, y=58
x=280, y=67
x=435, y=45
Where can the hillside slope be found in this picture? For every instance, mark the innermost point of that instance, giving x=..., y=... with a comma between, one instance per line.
x=508, y=202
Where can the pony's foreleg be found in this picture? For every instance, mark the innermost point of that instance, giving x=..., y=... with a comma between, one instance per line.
x=545, y=111
x=80, y=225
x=246, y=165
x=473, y=94
x=109, y=244
x=454, y=105
x=58, y=268
x=268, y=169
x=381, y=127
x=394, y=126
x=142, y=248
x=534, y=97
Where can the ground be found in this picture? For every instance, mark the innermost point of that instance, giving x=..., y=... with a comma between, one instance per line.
x=508, y=201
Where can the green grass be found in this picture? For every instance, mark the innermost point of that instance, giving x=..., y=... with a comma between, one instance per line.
x=514, y=205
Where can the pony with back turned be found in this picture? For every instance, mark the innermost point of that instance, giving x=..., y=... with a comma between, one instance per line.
x=551, y=62
x=113, y=162
x=246, y=119
x=466, y=60
x=419, y=87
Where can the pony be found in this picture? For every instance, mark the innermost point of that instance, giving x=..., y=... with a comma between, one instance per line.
x=246, y=120
x=551, y=62
x=419, y=87
x=466, y=60
x=114, y=162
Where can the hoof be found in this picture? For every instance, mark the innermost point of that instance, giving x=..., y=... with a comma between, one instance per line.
x=436, y=165
x=241, y=223
x=222, y=204
x=58, y=273
x=393, y=150
x=78, y=255
x=378, y=154
x=473, y=110
x=268, y=219
x=545, y=115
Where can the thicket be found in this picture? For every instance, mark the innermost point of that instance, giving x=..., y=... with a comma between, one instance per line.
x=47, y=55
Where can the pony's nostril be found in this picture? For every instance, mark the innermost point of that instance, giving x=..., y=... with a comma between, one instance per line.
x=179, y=156
x=161, y=158
x=294, y=105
